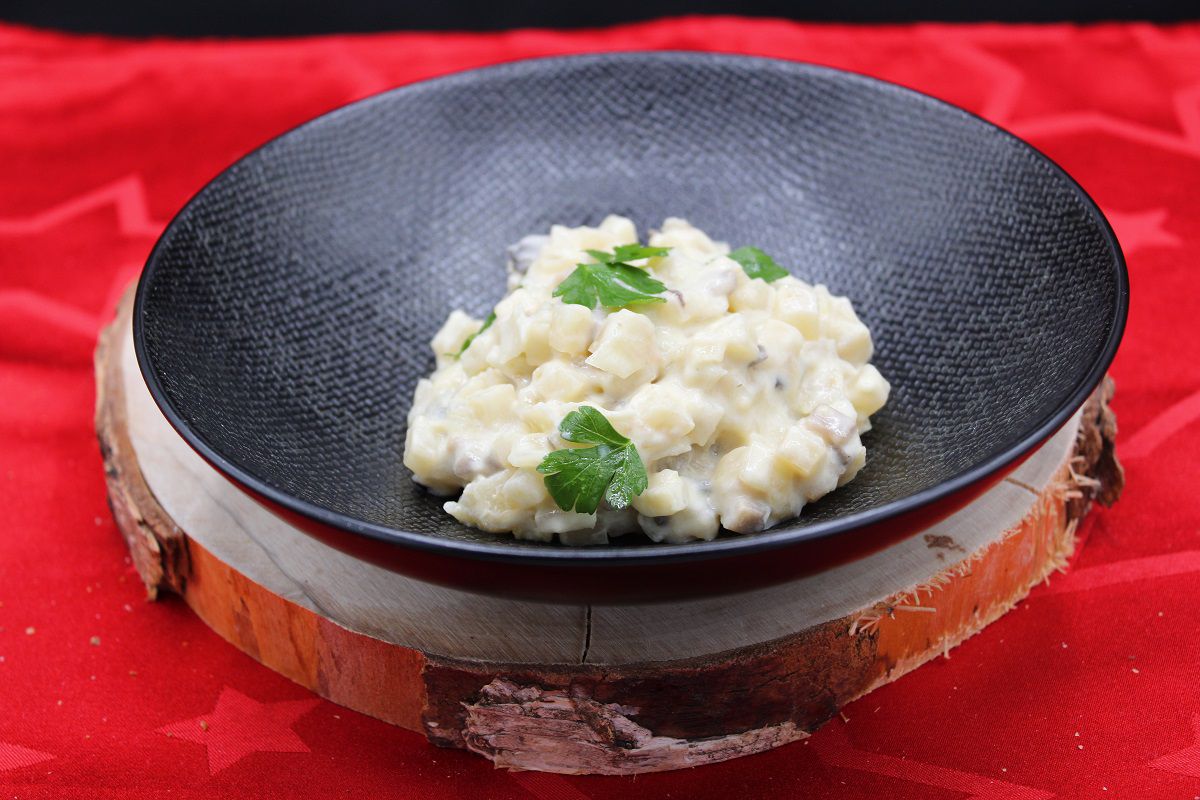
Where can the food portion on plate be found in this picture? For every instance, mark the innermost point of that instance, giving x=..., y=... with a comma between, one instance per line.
x=675, y=388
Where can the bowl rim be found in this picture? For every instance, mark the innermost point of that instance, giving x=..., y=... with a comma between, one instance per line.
x=614, y=554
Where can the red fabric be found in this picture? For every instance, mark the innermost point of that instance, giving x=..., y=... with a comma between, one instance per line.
x=1088, y=689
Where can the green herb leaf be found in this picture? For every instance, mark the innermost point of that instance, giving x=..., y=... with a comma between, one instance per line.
x=757, y=264
x=586, y=425
x=578, y=477
x=612, y=285
x=627, y=252
x=632, y=252
x=629, y=479
x=487, y=323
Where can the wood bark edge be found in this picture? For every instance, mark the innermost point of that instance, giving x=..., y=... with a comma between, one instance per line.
x=158, y=547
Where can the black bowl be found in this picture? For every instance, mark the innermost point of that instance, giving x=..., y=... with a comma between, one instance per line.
x=282, y=320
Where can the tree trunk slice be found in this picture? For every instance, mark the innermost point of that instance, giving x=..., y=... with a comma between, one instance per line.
x=581, y=689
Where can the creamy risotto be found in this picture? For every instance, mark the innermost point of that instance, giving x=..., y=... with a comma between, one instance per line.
x=687, y=395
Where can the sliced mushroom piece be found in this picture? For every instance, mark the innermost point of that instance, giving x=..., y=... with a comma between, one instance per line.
x=522, y=254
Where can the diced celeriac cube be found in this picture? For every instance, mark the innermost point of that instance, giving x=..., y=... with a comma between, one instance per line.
x=869, y=391
x=558, y=380
x=493, y=405
x=659, y=412
x=751, y=295
x=802, y=451
x=529, y=450
x=524, y=490
x=852, y=338
x=665, y=494
x=625, y=344
x=758, y=470
x=796, y=304
x=570, y=328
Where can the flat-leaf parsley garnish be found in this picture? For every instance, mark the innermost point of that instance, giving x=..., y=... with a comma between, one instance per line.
x=757, y=264
x=487, y=323
x=628, y=252
x=578, y=477
x=611, y=282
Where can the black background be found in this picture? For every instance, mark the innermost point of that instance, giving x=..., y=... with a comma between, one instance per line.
x=279, y=17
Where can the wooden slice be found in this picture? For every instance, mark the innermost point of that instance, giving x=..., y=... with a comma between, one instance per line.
x=581, y=689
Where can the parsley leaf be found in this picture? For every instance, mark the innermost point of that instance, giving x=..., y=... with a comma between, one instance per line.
x=611, y=282
x=612, y=285
x=577, y=477
x=627, y=252
x=629, y=479
x=487, y=323
x=588, y=426
x=632, y=252
x=757, y=264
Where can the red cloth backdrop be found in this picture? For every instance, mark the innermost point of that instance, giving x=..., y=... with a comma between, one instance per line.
x=1087, y=689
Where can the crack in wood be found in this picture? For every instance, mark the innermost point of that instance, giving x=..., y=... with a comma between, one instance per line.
x=1022, y=485
x=300, y=587
x=587, y=634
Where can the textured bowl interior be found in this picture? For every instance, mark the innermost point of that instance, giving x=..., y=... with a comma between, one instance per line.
x=286, y=312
